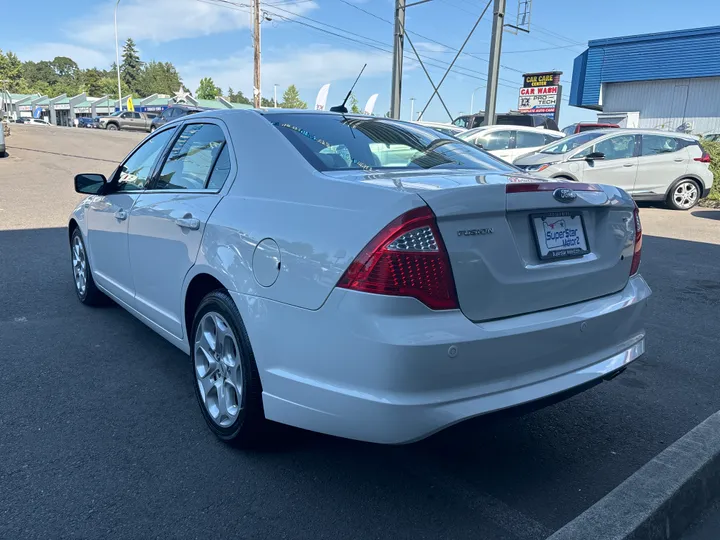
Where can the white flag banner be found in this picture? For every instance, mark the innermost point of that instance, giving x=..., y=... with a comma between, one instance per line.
x=370, y=105
x=321, y=99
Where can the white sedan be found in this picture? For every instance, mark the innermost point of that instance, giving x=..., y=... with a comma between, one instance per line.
x=315, y=285
x=510, y=142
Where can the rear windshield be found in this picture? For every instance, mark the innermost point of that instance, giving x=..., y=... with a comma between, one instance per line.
x=590, y=127
x=570, y=143
x=336, y=142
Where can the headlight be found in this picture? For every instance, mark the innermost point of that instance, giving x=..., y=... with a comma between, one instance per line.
x=538, y=168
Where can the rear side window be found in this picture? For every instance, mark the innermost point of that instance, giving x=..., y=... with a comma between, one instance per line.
x=136, y=115
x=550, y=138
x=526, y=139
x=496, y=140
x=461, y=122
x=192, y=158
x=653, y=145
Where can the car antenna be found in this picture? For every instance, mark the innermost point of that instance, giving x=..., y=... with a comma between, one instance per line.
x=341, y=108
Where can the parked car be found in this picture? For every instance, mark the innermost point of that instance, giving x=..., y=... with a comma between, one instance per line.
x=586, y=126
x=447, y=129
x=32, y=121
x=470, y=121
x=173, y=113
x=330, y=291
x=510, y=142
x=712, y=137
x=649, y=165
x=87, y=122
x=3, y=150
x=130, y=120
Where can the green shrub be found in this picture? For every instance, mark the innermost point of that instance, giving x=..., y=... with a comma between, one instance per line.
x=713, y=148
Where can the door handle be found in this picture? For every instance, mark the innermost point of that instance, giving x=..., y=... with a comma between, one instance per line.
x=188, y=223
x=678, y=160
x=628, y=164
x=121, y=215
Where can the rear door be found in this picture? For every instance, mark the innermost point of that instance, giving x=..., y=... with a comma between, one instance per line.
x=663, y=159
x=168, y=219
x=617, y=168
x=499, y=143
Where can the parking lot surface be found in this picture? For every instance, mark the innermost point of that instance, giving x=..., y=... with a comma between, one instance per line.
x=100, y=434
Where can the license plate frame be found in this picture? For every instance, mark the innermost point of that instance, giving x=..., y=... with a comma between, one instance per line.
x=555, y=254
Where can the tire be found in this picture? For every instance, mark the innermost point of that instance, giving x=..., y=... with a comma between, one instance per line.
x=152, y=129
x=220, y=371
x=684, y=194
x=85, y=288
x=564, y=178
x=112, y=127
x=3, y=154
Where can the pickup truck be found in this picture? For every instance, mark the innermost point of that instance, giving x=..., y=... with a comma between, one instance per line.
x=126, y=120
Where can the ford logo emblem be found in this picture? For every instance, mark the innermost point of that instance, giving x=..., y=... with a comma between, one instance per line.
x=564, y=195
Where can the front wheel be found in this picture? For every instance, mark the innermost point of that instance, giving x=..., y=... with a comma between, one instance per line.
x=684, y=195
x=87, y=291
x=152, y=129
x=112, y=127
x=227, y=383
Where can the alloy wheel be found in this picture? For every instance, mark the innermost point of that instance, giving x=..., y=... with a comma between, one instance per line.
x=218, y=369
x=685, y=194
x=79, y=263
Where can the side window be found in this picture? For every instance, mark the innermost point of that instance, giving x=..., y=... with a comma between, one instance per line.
x=551, y=138
x=191, y=158
x=653, y=145
x=221, y=170
x=496, y=140
x=527, y=139
x=136, y=115
x=620, y=147
x=136, y=170
x=169, y=114
x=461, y=122
x=126, y=115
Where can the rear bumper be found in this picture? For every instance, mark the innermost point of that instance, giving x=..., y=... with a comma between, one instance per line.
x=705, y=193
x=365, y=367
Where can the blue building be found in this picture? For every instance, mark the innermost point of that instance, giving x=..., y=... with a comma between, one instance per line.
x=668, y=80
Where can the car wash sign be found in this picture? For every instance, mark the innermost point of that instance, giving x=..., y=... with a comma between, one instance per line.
x=540, y=94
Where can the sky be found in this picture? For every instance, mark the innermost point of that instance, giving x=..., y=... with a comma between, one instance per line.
x=312, y=42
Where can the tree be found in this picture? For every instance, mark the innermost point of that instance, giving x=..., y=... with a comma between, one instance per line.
x=91, y=81
x=207, y=89
x=158, y=78
x=131, y=67
x=267, y=103
x=354, y=107
x=238, y=97
x=291, y=99
x=11, y=70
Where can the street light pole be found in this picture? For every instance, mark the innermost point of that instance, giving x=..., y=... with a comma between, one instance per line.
x=412, y=107
x=472, y=99
x=275, y=90
x=117, y=58
x=494, y=62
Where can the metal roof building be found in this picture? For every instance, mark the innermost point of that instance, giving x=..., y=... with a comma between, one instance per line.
x=668, y=80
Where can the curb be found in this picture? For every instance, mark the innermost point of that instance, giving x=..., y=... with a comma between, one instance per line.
x=661, y=499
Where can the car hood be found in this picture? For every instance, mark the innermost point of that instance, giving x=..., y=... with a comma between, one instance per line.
x=425, y=180
x=537, y=158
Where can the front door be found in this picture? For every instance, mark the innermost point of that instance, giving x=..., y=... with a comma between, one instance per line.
x=168, y=221
x=108, y=215
x=619, y=165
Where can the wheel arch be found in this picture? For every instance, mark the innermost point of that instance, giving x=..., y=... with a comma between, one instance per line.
x=72, y=225
x=198, y=286
x=693, y=177
x=565, y=176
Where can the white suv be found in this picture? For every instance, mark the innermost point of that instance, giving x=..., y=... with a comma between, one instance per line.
x=648, y=164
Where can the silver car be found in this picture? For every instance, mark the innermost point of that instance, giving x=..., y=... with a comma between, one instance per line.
x=649, y=165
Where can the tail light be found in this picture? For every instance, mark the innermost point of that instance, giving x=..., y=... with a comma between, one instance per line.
x=406, y=258
x=635, y=266
x=705, y=158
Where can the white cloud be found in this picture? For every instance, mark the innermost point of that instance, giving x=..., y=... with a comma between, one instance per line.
x=84, y=56
x=425, y=46
x=164, y=20
x=307, y=68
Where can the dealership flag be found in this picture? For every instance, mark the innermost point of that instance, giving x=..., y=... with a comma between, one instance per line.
x=370, y=105
x=321, y=100
x=130, y=105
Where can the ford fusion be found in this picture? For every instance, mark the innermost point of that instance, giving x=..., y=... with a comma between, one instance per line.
x=359, y=276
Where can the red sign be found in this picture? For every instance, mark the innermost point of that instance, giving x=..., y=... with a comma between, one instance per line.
x=541, y=90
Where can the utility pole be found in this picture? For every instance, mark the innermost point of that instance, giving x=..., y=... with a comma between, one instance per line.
x=256, y=47
x=412, y=108
x=398, y=46
x=494, y=65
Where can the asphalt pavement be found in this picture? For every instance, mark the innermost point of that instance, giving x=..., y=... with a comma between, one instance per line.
x=101, y=437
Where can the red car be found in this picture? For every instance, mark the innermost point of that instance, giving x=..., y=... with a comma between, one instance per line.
x=586, y=126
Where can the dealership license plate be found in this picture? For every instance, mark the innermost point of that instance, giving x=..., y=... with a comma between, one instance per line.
x=560, y=235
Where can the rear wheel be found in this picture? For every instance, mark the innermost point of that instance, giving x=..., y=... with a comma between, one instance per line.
x=227, y=383
x=684, y=195
x=85, y=287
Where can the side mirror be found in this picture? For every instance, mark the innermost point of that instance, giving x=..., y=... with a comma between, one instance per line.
x=480, y=146
x=594, y=155
x=89, y=184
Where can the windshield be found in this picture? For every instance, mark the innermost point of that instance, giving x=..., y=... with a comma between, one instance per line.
x=341, y=142
x=117, y=113
x=570, y=143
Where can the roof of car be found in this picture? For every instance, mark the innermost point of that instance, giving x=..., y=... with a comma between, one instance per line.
x=640, y=131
